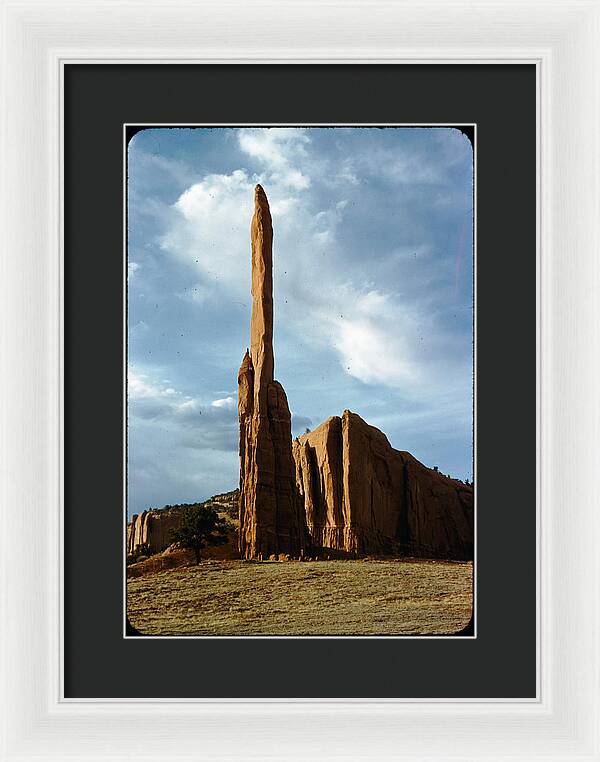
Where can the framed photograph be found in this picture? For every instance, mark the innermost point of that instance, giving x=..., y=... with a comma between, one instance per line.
x=287, y=522
x=300, y=377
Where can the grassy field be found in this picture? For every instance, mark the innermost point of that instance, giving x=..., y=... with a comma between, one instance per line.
x=356, y=597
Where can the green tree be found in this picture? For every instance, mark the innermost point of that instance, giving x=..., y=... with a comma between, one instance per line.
x=200, y=526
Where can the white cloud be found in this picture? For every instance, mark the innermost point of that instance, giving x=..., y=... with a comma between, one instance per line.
x=132, y=268
x=192, y=421
x=140, y=387
x=274, y=145
x=207, y=197
x=227, y=402
x=369, y=350
x=279, y=149
x=167, y=400
x=210, y=228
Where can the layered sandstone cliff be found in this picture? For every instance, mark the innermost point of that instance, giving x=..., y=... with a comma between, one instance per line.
x=271, y=514
x=364, y=497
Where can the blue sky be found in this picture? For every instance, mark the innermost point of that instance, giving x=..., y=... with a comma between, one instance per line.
x=372, y=269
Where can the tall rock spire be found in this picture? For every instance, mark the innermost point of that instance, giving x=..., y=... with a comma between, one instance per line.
x=261, y=323
x=272, y=519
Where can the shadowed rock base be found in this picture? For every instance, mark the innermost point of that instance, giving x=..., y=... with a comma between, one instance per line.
x=271, y=514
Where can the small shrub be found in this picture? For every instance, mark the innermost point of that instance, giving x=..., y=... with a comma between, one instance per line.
x=200, y=526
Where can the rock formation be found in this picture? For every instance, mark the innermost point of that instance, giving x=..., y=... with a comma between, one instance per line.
x=341, y=487
x=364, y=497
x=152, y=528
x=271, y=514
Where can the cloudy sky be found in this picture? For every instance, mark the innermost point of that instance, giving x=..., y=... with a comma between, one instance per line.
x=372, y=269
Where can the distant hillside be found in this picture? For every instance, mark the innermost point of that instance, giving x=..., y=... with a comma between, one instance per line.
x=226, y=502
x=151, y=530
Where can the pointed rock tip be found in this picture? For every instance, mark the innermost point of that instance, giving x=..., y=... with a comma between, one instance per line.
x=260, y=196
x=247, y=361
x=331, y=421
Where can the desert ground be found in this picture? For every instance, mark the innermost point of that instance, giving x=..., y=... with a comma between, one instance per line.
x=336, y=597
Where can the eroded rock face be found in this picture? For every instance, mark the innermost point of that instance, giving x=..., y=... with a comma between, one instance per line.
x=271, y=514
x=152, y=529
x=364, y=497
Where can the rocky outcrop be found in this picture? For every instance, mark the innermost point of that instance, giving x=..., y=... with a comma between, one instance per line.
x=152, y=529
x=271, y=514
x=364, y=497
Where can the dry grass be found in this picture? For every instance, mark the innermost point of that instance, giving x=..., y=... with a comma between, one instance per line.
x=359, y=597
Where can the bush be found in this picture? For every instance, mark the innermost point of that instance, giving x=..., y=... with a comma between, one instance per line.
x=200, y=526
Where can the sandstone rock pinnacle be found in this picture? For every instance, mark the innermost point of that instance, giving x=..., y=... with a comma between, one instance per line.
x=271, y=514
x=261, y=324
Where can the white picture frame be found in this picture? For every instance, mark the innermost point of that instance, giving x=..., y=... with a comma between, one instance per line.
x=562, y=39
